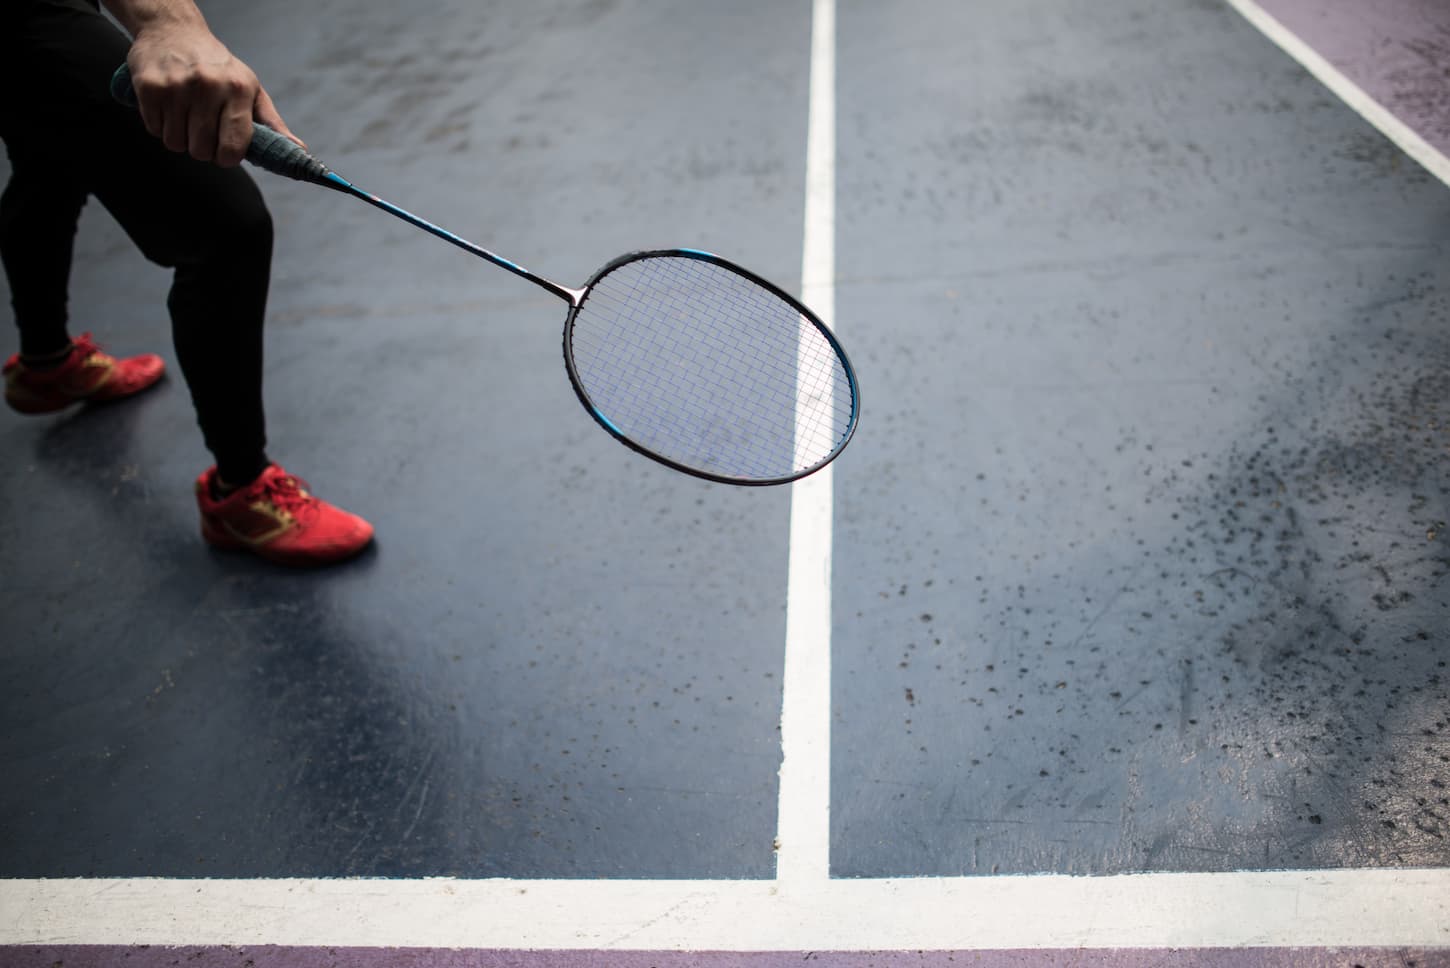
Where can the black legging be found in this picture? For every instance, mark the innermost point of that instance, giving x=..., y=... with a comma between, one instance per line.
x=67, y=139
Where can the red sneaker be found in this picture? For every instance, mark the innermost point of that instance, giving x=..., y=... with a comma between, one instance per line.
x=87, y=374
x=278, y=519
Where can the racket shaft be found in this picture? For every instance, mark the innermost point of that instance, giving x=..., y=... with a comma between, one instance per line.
x=333, y=180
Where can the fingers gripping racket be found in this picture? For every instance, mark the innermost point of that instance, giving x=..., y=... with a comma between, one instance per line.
x=681, y=355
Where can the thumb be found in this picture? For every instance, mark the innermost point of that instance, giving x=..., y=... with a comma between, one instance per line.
x=265, y=112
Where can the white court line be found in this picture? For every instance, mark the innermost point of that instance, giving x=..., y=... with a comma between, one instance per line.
x=1407, y=908
x=1346, y=90
x=803, y=910
x=803, y=819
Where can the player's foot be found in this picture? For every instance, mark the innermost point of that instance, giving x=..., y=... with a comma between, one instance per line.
x=86, y=373
x=276, y=517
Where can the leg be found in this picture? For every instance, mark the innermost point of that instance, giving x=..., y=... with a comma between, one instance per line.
x=207, y=223
x=38, y=215
x=212, y=226
x=42, y=203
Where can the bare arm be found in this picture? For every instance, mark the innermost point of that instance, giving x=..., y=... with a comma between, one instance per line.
x=194, y=94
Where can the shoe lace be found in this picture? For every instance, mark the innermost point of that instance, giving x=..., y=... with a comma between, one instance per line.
x=85, y=343
x=289, y=493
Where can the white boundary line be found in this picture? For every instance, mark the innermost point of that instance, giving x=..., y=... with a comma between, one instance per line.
x=803, y=909
x=803, y=819
x=1346, y=90
x=1409, y=908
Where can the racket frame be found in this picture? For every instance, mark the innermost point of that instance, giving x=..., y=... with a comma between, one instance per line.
x=575, y=305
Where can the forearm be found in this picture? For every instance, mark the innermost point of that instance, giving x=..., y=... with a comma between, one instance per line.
x=139, y=15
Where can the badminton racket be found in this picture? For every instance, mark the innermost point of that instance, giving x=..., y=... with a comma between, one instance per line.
x=683, y=356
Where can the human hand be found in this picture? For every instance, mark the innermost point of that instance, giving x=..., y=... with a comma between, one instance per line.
x=195, y=95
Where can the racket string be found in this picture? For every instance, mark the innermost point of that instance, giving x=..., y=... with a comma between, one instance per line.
x=671, y=310
x=760, y=363
x=709, y=369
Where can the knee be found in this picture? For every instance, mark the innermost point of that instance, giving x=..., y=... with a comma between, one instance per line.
x=247, y=230
x=206, y=231
x=227, y=220
x=236, y=239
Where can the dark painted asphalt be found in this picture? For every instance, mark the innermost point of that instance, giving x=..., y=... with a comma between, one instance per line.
x=1140, y=551
x=561, y=660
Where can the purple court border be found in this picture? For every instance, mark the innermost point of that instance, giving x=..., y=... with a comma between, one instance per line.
x=1396, y=51
x=273, y=956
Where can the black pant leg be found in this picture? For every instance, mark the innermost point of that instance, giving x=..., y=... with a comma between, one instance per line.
x=38, y=216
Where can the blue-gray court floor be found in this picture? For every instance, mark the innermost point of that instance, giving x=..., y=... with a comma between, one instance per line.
x=1138, y=560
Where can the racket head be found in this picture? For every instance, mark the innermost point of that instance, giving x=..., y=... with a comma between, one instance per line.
x=710, y=369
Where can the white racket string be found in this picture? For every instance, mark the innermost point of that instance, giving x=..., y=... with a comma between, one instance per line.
x=710, y=370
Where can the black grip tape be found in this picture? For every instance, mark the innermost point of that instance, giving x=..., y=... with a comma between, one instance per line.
x=281, y=155
x=275, y=152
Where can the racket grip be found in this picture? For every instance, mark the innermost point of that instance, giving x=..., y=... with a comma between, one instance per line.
x=275, y=152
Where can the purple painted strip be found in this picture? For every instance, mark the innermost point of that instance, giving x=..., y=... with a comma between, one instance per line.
x=270, y=956
x=1397, y=51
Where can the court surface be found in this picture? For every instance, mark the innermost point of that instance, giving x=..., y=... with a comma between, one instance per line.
x=1118, y=635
